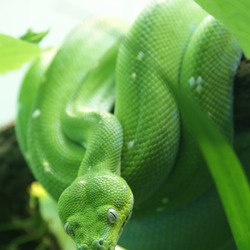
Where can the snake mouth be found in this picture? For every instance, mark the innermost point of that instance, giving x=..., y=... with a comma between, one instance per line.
x=100, y=244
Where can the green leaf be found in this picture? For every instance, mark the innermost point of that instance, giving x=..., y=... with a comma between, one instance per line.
x=235, y=15
x=33, y=37
x=226, y=170
x=14, y=52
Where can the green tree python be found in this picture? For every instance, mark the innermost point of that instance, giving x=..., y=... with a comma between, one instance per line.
x=102, y=132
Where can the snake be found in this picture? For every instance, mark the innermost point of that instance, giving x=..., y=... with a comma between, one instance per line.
x=102, y=132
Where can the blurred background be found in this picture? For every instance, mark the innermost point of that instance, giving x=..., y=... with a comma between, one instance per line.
x=57, y=16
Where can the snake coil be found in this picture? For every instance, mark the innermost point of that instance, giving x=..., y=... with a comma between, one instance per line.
x=103, y=134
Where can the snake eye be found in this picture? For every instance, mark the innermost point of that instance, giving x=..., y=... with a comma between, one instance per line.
x=112, y=216
x=68, y=229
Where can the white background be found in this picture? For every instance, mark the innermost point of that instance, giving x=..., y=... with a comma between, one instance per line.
x=59, y=16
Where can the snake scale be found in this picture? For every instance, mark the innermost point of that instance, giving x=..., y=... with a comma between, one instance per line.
x=103, y=134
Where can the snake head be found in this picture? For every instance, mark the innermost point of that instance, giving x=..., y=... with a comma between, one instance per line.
x=94, y=210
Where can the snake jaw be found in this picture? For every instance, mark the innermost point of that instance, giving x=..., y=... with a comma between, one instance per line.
x=97, y=245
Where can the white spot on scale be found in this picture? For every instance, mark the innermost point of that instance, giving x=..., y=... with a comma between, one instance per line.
x=133, y=75
x=46, y=167
x=131, y=144
x=197, y=83
x=36, y=113
x=199, y=89
x=191, y=81
x=124, y=188
x=82, y=182
x=140, y=55
x=199, y=80
x=209, y=114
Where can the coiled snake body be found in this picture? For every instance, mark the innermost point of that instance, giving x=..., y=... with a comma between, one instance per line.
x=101, y=165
